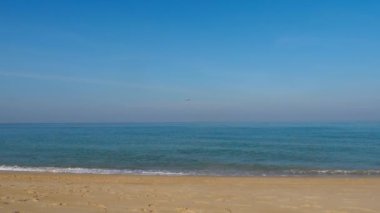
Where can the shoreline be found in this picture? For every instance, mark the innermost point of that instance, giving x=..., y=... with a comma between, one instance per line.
x=329, y=176
x=63, y=192
x=258, y=173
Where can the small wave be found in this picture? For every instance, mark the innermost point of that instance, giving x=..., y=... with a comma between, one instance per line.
x=291, y=172
x=89, y=171
x=335, y=172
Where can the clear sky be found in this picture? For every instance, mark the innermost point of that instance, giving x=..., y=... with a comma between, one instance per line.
x=141, y=61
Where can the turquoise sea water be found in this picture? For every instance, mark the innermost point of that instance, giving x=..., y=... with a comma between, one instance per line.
x=193, y=148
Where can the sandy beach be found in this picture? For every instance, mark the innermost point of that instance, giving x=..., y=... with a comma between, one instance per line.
x=49, y=192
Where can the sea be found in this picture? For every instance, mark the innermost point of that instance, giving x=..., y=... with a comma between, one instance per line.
x=211, y=149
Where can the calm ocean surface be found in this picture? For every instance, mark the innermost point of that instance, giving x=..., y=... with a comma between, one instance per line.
x=193, y=149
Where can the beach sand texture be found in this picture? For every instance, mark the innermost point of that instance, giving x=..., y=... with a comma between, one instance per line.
x=48, y=192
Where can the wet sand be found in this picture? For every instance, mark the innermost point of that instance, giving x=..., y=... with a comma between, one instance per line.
x=48, y=192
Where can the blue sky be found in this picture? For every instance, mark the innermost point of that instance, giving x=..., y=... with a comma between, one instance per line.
x=142, y=61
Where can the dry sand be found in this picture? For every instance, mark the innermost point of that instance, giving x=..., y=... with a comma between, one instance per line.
x=43, y=192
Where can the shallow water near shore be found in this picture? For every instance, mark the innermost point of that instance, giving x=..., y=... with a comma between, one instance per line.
x=227, y=149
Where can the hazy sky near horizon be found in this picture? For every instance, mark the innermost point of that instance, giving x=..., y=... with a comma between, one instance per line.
x=123, y=61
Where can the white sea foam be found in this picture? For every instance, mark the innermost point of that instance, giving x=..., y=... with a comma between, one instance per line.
x=334, y=172
x=89, y=170
x=292, y=172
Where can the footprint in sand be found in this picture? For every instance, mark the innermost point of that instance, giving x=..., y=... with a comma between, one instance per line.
x=146, y=210
x=30, y=191
x=149, y=209
x=354, y=209
x=335, y=211
x=98, y=205
x=8, y=199
x=228, y=210
x=186, y=210
x=58, y=204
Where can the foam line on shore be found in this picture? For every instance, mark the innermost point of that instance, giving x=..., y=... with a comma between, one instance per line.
x=292, y=172
x=87, y=170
